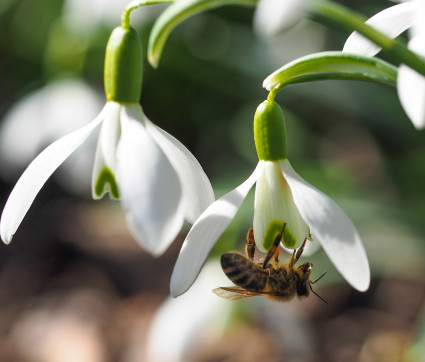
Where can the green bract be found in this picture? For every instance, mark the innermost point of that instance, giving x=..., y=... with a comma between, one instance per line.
x=123, y=66
x=270, y=132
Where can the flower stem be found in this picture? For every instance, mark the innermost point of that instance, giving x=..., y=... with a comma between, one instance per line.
x=125, y=17
x=272, y=94
x=349, y=20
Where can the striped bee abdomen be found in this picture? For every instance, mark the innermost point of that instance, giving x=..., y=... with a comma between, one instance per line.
x=243, y=272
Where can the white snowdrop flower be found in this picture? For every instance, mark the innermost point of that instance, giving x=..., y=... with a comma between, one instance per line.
x=281, y=196
x=392, y=22
x=158, y=181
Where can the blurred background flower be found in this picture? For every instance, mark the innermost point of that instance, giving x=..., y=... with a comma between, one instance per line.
x=74, y=270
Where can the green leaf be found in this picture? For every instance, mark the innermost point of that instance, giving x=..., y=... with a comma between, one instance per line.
x=331, y=65
x=175, y=14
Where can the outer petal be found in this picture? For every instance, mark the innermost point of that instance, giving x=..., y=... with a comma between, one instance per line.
x=411, y=86
x=204, y=233
x=43, y=116
x=273, y=16
x=274, y=203
x=197, y=191
x=37, y=173
x=391, y=21
x=179, y=321
x=150, y=188
x=331, y=227
x=103, y=177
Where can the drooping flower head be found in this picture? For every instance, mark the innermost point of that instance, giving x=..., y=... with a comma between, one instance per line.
x=274, y=204
x=281, y=196
x=159, y=182
x=393, y=21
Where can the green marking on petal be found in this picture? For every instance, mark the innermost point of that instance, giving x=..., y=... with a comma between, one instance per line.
x=106, y=183
x=288, y=239
x=274, y=227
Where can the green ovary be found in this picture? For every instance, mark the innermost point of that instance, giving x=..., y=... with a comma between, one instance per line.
x=270, y=132
x=123, y=66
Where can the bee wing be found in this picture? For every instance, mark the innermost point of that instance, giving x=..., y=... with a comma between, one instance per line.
x=234, y=293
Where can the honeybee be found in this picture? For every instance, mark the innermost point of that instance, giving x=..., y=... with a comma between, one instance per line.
x=266, y=277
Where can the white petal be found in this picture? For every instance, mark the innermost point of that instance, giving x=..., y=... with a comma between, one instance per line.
x=106, y=150
x=180, y=321
x=411, y=86
x=274, y=204
x=418, y=27
x=40, y=118
x=273, y=16
x=332, y=228
x=35, y=176
x=149, y=187
x=197, y=190
x=205, y=232
x=391, y=21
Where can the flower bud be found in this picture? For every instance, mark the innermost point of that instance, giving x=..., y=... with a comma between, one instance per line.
x=270, y=132
x=123, y=66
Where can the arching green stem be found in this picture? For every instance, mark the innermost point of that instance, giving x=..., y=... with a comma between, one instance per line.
x=177, y=13
x=331, y=66
x=125, y=17
x=349, y=20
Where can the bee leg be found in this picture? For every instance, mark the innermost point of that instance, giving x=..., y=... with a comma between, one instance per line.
x=275, y=248
x=276, y=254
x=292, y=262
x=290, y=276
x=298, y=254
x=250, y=244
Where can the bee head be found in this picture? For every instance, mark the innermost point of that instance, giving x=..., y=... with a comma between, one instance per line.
x=303, y=285
x=305, y=269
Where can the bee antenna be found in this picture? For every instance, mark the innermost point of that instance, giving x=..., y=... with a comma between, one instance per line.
x=319, y=278
x=318, y=296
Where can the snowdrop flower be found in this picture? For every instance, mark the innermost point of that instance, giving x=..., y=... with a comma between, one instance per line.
x=42, y=116
x=392, y=22
x=281, y=196
x=158, y=180
x=274, y=16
